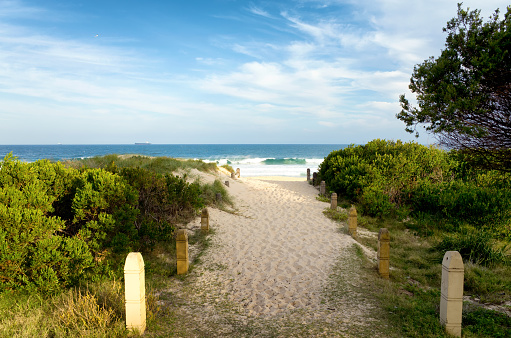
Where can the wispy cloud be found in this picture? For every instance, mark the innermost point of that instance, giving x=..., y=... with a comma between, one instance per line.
x=303, y=66
x=258, y=11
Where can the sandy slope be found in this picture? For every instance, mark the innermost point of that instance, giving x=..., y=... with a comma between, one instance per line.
x=278, y=251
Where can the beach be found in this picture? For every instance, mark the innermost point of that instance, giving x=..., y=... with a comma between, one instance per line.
x=275, y=259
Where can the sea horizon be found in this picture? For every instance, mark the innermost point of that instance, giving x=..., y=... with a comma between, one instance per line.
x=253, y=159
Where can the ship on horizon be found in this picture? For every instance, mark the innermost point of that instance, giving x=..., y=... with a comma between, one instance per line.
x=141, y=143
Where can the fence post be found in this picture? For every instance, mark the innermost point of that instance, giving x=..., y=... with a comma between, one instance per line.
x=204, y=220
x=227, y=183
x=308, y=174
x=182, y=251
x=134, y=294
x=314, y=178
x=238, y=173
x=322, y=188
x=233, y=175
x=352, y=221
x=333, y=201
x=384, y=253
x=451, y=301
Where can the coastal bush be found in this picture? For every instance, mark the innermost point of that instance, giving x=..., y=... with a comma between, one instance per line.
x=392, y=177
x=62, y=226
x=33, y=253
x=383, y=175
x=210, y=190
x=104, y=212
x=163, y=200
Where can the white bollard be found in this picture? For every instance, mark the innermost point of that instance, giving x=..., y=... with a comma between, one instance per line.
x=451, y=301
x=134, y=286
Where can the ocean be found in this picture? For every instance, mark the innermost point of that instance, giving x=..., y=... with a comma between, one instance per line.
x=252, y=159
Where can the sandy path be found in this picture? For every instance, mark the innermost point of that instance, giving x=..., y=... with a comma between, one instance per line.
x=279, y=251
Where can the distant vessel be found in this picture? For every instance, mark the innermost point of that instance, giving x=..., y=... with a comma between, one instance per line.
x=139, y=143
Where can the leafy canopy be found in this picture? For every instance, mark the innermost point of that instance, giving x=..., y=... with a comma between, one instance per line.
x=464, y=95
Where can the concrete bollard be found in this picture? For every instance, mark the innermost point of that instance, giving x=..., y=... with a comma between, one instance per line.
x=182, y=251
x=204, y=220
x=238, y=173
x=451, y=301
x=308, y=174
x=352, y=221
x=322, y=188
x=233, y=176
x=218, y=197
x=227, y=183
x=314, y=178
x=384, y=253
x=333, y=201
x=134, y=286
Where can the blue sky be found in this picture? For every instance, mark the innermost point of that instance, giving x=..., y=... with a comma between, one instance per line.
x=214, y=71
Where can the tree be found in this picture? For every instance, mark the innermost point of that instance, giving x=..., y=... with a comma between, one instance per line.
x=464, y=96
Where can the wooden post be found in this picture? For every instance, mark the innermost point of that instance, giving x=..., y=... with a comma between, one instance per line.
x=333, y=201
x=308, y=174
x=451, y=301
x=233, y=175
x=352, y=221
x=384, y=252
x=238, y=173
x=322, y=188
x=314, y=178
x=204, y=220
x=218, y=197
x=134, y=286
x=182, y=251
x=227, y=183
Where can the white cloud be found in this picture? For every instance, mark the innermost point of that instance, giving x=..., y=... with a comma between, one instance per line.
x=258, y=11
x=327, y=124
x=310, y=69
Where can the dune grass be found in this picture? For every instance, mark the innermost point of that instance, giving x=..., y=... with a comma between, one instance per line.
x=159, y=165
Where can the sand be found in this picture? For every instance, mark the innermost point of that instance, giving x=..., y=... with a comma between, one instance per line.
x=277, y=252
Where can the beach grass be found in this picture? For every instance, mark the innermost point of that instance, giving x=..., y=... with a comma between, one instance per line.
x=159, y=165
x=411, y=297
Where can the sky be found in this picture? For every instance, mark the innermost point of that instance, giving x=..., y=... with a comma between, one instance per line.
x=214, y=71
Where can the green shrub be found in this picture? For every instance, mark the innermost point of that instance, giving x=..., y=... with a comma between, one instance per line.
x=104, y=209
x=163, y=200
x=33, y=254
x=209, y=192
x=477, y=246
x=396, y=178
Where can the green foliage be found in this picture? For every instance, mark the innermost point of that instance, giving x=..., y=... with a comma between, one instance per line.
x=32, y=254
x=104, y=209
x=339, y=216
x=163, y=200
x=64, y=226
x=209, y=192
x=382, y=175
x=463, y=95
x=486, y=323
x=439, y=189
x=474, y=246
x=160, y=165
x=96, y=311
x=490, y=285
